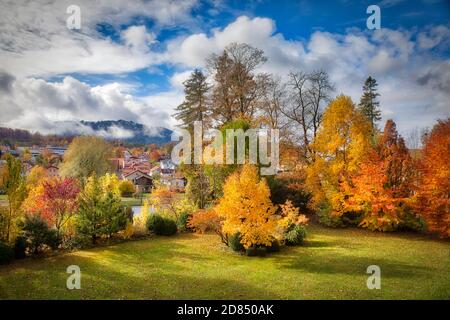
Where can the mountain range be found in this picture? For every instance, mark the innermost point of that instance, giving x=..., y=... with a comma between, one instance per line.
x=122, y=130
x=129, y=131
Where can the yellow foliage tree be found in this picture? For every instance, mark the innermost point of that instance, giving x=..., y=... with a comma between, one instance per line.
x=37, y=173
x=246, y=208
x=341, y=143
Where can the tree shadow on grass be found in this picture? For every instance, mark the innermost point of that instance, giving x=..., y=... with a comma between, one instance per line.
x=335, y=263
x=125, y=276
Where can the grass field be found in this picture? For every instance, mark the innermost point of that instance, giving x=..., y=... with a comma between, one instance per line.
x=331, y=265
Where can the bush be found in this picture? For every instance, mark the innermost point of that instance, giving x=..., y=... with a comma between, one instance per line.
x=20, y=247
x=161, y=226
x=327, y=218
x=6, y=253
x=295, y=235
x=204, y=220
x=234, y=242
x=275, y=247
x=409, y=220
x=38, y=234
x=288, y=187
x=126, y=188
x=79, y=241
x=256, y=251
x=183, y=221
x=170, y=227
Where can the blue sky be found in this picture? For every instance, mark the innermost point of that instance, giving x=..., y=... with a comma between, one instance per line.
x=130, y=58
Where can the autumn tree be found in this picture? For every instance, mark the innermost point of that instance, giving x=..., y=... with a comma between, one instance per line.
x=399, y=165
x=87, y=155
x=195, y=104
x=235, y=91
x=308, y=92
x=55, y=200
x=273, y=97
x=14, y=185
x=36, y=174
x=382, y=185
x=368, y=193
x=340, y=145
x=368, y=104
x=246, y=208
x=433, y=186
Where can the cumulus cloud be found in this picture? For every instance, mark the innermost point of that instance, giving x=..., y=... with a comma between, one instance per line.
x=35, y=44
x=35, y=41
x=53, y=107
x=412, y=82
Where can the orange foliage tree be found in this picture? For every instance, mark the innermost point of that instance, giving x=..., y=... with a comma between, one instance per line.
x=383, y=182
x=54, y=199
x=368, y=194
x=433, y=186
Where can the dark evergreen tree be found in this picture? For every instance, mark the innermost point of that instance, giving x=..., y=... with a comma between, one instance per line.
x=368, y=104
x=194, y=106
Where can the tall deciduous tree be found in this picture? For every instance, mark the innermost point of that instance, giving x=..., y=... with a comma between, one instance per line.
x=368, y=193
x=308, y=92
x=235, y=90
x=433, y=186
x=13, y=183
x=340, y=144
x=368, y=104
x=383, y=182
x=195, y=105
x=399, y=165
x=85, y=156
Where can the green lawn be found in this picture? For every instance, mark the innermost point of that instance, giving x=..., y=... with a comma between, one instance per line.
x=331, y=265
x=131, y=201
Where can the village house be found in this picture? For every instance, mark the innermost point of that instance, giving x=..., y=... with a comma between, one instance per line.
x=141, y=180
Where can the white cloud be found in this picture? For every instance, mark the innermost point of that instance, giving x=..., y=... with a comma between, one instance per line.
x=34, y=39
x=35, y=44
x=410, y=81
x=51, y=106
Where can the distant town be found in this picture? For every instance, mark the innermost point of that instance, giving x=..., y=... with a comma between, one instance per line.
x=141, y=165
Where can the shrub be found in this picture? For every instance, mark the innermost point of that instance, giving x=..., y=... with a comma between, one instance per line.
x=256, y=251
x=289, y=187
x=161, y=226
x=275, y=247
x=170, y=227
x=78, y=241
x=128, y=212
x=126, y=188
x=183, y=221
x=295, y=236
x=140, y=222
x=204, y=220
x=20, y=247
x=38, y=234
x=6, y=253
x=234, y=241
x=155, y=222
x=327, y=218
x=128, y=232
x=409, y=220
